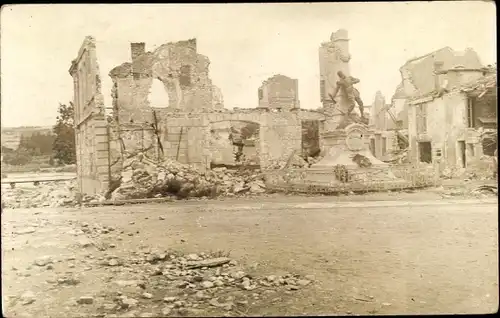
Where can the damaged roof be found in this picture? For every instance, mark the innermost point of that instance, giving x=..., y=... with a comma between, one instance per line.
x=482, y=84
x=420, y=71
x=479, y=86
x=400, y=91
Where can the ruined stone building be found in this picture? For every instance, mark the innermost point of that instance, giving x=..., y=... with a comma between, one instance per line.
x=279, y=92
x=451, y=101
x=392, y=122
x=166, y=106
x=384, y=140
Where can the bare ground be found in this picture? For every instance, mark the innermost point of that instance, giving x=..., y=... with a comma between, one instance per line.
x=401, y=254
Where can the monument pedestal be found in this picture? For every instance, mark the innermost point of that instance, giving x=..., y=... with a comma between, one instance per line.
x=348, y=149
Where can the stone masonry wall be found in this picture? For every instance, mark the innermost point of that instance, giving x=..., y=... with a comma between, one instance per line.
x=90, y=124
x=182, y=71
x=279, y=91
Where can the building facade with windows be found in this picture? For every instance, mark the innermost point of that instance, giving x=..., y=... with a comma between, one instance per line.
x=447, y=126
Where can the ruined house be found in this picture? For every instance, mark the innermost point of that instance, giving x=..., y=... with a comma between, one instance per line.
x=384, y=140
x=392, y=121
x=447, y=122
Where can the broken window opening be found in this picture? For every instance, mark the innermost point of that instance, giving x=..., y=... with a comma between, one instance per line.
x=425, y=151
x=384, y=146
x=158, y=95
x=261, y=94
x=489, y=146
x=461, y=151
x=402, y=142
x=482, y=112
x=471, y=123
x=310, y=137
x=421, y=118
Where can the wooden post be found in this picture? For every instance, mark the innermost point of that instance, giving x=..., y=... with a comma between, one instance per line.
x=179, y=145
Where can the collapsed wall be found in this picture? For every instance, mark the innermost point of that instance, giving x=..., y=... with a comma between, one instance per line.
x=183, y=130
x=177, y=67
x=140, y=123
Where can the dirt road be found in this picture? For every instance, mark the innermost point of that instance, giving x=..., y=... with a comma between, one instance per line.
x=367, y=257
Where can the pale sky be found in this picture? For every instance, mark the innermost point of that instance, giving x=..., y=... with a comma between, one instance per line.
x=246, y=44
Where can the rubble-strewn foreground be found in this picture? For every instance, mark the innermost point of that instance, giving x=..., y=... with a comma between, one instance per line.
x=152, y=283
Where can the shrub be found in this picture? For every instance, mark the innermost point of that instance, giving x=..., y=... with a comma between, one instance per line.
x=17, y=158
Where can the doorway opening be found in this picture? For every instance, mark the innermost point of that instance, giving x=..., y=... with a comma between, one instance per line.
x=425, y=151
x=310, y=138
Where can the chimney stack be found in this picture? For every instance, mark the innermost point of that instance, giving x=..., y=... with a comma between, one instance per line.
x=136, y=50
x=438, y=68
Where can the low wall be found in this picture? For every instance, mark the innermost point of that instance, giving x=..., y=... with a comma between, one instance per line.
x=293, y=180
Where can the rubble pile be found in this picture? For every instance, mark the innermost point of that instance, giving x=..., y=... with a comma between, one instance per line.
x=295, y=162
x=398, y=157
x=484, y=169
x=156, y=283
x=51, y=194
x=144, y=178
x=181, y=285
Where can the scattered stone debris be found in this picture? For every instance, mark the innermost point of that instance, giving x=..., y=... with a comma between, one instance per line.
x=143, y=178
x=27, y=298
x=44, y=260
x=27, y=230
x=208, y=262
x=486, y=188
x=194, y=283
x=50, y=194
x=469, y=190
x=85, y=300
x=155, y=283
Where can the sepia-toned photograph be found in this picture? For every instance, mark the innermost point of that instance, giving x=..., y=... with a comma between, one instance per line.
x=249, y=159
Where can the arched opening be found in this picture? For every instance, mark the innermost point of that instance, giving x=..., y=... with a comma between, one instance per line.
x=235, y=143
x=158, y=95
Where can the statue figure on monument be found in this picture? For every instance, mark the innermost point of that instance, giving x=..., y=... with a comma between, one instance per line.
x=345, y=85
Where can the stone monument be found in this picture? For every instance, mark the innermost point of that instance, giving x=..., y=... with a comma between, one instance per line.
x=346, y=142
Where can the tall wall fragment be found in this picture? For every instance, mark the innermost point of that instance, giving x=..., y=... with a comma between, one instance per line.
x=180, y=69
x=279, y=91
x=333, y=57
x=90, y=123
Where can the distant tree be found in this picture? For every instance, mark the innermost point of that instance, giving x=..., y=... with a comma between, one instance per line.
x=64, y=143
x=37, y=144
x=18, y=158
